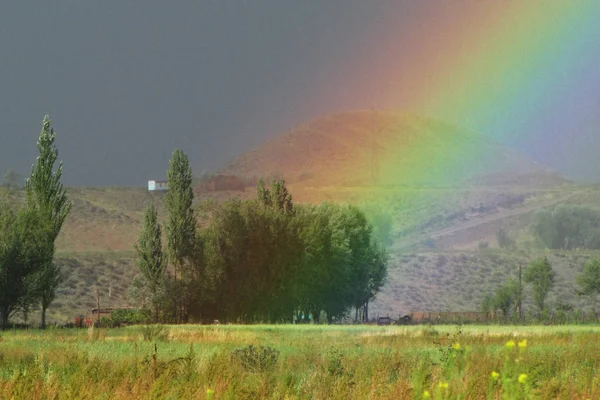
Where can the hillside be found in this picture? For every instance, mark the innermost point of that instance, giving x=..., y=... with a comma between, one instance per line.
x=443, y=219
x=372, y=148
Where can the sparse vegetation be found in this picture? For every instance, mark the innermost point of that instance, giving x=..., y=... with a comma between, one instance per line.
x=273, y=362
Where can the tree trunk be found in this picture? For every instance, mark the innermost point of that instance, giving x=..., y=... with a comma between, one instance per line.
x=43, y=317
x=367, y=312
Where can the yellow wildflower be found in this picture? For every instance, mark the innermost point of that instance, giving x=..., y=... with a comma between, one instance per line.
x=210, y=393
x=523, y=378
x=495, y=375
x=443, y=385
x=510, y=344
x=426, y=394
x=456, y=346
x=523, y=343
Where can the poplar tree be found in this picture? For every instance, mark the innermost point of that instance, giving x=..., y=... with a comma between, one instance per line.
x=47, y=197
x=181, y=222
x=151, y=259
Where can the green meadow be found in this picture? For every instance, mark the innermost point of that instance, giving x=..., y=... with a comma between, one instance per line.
x=302, y=362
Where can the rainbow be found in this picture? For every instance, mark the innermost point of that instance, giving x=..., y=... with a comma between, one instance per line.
x=507, y=69
x=512, y=70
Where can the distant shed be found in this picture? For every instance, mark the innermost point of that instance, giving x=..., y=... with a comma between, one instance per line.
x=158, y=185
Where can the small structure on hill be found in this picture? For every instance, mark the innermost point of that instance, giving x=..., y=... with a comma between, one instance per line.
x=158, y=186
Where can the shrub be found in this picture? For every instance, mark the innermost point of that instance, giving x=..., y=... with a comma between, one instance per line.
x=130, y=316
x=155, y=333
x=334, y=361
x=256, y=359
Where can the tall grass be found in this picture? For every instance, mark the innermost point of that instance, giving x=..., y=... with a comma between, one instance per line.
x=311, y=362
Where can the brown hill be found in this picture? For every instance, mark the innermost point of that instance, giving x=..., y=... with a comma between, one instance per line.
x=373, y=148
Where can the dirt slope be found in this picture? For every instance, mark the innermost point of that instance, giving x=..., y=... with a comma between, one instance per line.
x=372, y=148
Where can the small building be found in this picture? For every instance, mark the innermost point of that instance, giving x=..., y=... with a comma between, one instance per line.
x=158, y=185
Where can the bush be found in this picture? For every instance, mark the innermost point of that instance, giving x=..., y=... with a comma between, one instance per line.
x=334, y=362
x=130, y=316
x=155, y=333
x=256, y=359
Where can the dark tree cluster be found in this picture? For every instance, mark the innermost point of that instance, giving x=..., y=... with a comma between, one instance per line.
x=260, y=260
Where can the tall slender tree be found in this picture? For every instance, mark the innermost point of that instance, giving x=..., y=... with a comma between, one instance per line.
x=151, y=259
x=48, y=198
x=181, y=222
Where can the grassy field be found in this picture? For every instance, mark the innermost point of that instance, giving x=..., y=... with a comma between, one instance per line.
x=305, y=362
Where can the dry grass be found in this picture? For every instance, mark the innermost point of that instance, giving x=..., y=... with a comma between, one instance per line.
x=311, y=363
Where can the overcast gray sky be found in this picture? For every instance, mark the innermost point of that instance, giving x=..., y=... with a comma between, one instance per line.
x=126, y=82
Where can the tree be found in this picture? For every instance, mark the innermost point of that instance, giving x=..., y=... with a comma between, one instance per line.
x=540, y=275
x=150, y=256
x=505, y=297
x=181, y=223
x=23, y=249
x=589, y=281
x=11, y=179
x=50, y=278
x=47, y=197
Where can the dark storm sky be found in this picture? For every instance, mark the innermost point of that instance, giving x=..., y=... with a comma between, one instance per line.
x=126, y=82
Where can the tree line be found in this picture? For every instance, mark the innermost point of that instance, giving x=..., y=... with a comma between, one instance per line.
x=540, y=276
x=261, y=260
x=29, y=277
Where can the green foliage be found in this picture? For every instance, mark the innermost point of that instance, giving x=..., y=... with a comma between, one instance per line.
x=153, y=333
x=541, y=277
x=568, y=227
x=45, y=192
x=506, y=297
x=589, y=281
x=487, y=304
x=335, y=362
x=262, y=260
x=23, y=249
x=256, y=358
x=47, y=197
x=181, y=223
x=151, y=259
x=130, y=316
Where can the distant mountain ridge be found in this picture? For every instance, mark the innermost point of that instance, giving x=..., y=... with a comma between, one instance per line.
x=370, y=148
